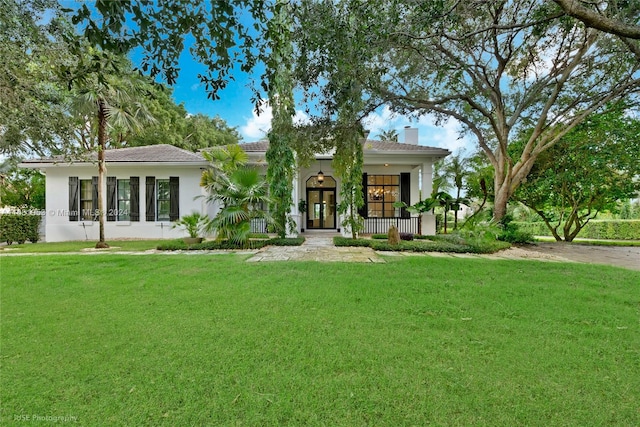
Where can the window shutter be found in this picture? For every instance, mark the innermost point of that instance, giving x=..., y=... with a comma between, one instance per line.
x=94, y=186
x=111, y=198
x=73, y=198
x=134, y=186
x=150, y=196
x=405, y=193
x=364, y=210
x=174, y=198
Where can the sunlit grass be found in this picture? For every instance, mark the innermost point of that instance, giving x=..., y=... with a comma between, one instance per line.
x=213, y=340
x=79, y=246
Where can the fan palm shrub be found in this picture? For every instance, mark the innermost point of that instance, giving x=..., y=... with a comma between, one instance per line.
x=240, y=191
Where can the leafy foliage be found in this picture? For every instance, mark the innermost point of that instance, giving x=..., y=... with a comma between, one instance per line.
x=210, y=245
x=280, y=158
x=19, y=228
x=595, y=229
x=454, y=243
x=586, y=172
x=23, y=188
x=33, y=97
x=194, y=224
x=240, y=191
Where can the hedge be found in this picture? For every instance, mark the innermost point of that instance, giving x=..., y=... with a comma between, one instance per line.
x=605, y=229
x=449, y=243
x=19, y=228
x=210, y=245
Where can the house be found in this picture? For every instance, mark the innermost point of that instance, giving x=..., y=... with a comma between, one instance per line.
x=146, y=189
x=149, y=187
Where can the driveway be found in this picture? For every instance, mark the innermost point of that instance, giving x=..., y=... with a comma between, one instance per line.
x=619, y=256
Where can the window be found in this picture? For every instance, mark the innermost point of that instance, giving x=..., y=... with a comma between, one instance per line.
x=163, y=201
x=87, y=210
x=124, y=200
x=83, y=199
x=123, y=197
x=382, y=192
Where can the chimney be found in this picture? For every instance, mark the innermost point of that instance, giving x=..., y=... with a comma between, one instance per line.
x=410, y=135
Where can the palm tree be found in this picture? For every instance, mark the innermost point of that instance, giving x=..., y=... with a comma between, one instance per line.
x=106, y=98
x=388, y=135
x=241, y=191
x=456, y=170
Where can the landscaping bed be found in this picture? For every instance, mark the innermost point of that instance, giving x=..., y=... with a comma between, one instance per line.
x=209, y=245
x=441, y=243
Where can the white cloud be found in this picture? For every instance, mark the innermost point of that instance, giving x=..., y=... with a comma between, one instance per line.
x=257, y=126
x=446, y=135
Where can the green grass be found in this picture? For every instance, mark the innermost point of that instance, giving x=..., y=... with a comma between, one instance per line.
x=78, y=246
x=212, y=340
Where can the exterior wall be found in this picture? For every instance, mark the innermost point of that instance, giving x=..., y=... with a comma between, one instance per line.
x=59, y=228
x=299, y=192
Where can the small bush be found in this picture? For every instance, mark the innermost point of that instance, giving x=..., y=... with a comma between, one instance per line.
x=406, y=236
x=213, y=245
x=347, y=241
x=453, y=243
x=19, y=228
x=289, y=241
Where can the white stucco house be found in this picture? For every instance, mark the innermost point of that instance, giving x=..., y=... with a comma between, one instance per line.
x=147, y=188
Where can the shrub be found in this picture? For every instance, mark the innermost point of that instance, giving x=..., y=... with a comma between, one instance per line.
x=19, y=228
x=606, y=229
x=212, y=245
x=453, y=243
x=406, y=236
x=288, y=241
x=347, y=241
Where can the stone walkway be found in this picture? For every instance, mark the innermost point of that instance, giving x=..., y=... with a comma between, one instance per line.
x=316, y=249
x=320, y=248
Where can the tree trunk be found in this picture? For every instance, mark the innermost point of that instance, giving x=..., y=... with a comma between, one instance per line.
x=102, y=169
x=501, y=199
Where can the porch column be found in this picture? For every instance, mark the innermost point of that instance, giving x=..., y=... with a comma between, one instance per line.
x=295, y=214
x=428, y=219
x=427, y=179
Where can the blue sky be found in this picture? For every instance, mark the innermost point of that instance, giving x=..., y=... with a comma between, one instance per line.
x=236, y=108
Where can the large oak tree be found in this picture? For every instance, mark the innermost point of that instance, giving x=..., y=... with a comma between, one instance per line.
x=498, y=67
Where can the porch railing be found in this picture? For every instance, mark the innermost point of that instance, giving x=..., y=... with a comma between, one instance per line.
x=258, y=225
x=381, y=225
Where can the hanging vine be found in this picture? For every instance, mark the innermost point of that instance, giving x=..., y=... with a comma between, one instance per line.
x=280, y=157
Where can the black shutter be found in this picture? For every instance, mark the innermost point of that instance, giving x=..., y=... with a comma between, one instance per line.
x=111, y=198
x=364, y=210
x=74, y=192
x=174, y=198
x=94, y=187
x=150, y=196
x=134, y=186
x=405, y=193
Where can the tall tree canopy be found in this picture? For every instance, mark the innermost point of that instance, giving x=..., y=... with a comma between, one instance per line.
x=496, y=67
x=33, y=97
x=588, y=171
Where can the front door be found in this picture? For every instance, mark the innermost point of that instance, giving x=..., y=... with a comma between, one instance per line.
x=321, y=209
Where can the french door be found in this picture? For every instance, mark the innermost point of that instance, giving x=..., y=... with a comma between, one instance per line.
x=321, y=209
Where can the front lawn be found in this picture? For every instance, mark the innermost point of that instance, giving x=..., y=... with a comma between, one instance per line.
x=84, y=245
x=213, y=340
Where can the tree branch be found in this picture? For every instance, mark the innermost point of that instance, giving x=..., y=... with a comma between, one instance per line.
x=599, y=22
